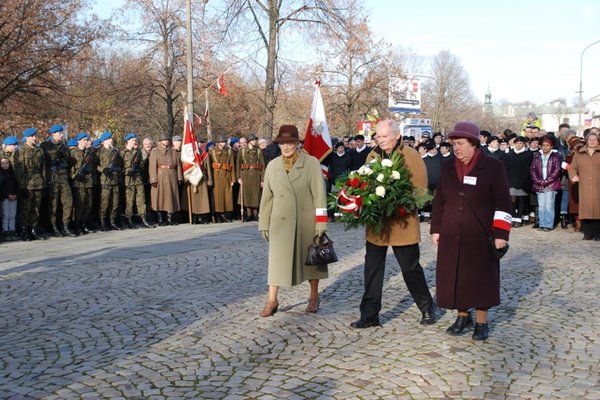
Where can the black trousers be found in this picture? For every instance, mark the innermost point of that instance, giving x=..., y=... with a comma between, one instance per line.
x=412, y=272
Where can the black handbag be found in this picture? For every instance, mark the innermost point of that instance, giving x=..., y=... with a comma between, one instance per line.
x=321, y=251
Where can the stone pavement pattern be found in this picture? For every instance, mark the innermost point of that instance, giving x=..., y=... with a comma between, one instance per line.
x=173, y=313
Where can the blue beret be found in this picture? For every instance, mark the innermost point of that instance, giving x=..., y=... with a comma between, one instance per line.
x=10, y=140
x=55, y=128
x=72, y=142
x=24, y=139
x=233, y=140
x=129, y=136
x=29, y=132
x=105, y=135
x=96, y=143
x=82, y=135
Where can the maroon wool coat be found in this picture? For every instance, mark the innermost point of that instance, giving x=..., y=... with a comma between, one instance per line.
x=467, y=275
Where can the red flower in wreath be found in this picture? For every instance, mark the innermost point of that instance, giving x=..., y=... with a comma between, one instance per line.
x=402, y=211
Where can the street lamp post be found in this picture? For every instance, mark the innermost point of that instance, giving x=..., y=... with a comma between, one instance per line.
x=581, y=81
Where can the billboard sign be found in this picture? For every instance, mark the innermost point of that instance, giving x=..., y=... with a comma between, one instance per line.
x=404, y=95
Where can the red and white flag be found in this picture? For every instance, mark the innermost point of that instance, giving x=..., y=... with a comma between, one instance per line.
x=190, y=158
x=221, y=85
x=317, y=141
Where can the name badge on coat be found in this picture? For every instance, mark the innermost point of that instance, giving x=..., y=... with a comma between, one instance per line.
x=470, y=180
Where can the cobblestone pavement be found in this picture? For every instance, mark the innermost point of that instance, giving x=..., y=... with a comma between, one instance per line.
x=173, y=313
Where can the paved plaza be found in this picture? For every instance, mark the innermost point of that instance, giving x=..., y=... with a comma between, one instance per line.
x=173, y=313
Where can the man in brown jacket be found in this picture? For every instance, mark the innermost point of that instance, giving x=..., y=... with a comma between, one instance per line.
x=402, y=233
x=222, y=163
x=165, y=176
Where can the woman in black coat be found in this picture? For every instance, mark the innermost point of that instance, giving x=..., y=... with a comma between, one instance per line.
x=518, y=164
x=471, y=204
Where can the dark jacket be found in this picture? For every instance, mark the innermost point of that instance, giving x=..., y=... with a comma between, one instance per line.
x=338, y=165
x=552, y=181
x=467, y=274
x=357, y=159
x=518, y=170
x=8, y=183
x=433, y=164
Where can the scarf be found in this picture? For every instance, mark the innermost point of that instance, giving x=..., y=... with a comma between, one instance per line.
x=463, y=170
x=288, y=162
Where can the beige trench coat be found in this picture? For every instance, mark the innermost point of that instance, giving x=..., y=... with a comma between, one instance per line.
x=587, y=168
x=164, y=169
x=287, y=210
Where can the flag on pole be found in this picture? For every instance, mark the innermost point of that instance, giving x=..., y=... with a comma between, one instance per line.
x=221, y=85
x=190, y=158
x=317, y=141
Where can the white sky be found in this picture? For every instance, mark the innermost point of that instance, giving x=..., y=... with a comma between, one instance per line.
x=524, y=50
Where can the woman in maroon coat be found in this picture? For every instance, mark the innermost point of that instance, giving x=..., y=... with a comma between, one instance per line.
x=472, y=203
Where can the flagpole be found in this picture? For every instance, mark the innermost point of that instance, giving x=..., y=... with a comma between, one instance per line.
x=208, y=127
x=190, y=87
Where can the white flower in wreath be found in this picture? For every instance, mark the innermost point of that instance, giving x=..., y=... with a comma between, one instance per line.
x=380, y=178
x=386, y=162
x=395, y=175
x=369, y=171
x=362, y=170
x=380, y=191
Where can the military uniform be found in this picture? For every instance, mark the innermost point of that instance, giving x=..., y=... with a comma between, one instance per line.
x=133, y=166
x=222, y=165
x=30, y=170
x=164, y=175
x=82, y=175
x=199, y=198
x=58, y=164
x=110, y=168
x=250, y=167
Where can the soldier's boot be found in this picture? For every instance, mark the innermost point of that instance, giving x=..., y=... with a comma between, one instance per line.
x=26, y=233
x=113, y=224
x=68, y=231
x=564, y=224
x=103, y=226
x=146, y=223
x=172, y=219
x=130, y=224
x=55, y=231
x=161, y=218
x=83, y=228
x=226, y=217
x=34, y=233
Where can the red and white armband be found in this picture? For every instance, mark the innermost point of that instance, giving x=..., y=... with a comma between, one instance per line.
x=320, y=215
x=502, y=220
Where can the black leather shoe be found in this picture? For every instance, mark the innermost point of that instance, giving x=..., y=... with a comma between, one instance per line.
x=482, y=331
x=430, y=316
x=364, y=323
x=56, y=232
x=113, y=224
x=459, y=325
x=146, y=223
x=69, y=232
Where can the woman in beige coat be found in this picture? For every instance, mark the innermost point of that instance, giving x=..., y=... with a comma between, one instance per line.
x=292, y=211
x=585, y=170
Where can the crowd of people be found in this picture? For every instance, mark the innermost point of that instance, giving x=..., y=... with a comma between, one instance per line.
x=65, y=187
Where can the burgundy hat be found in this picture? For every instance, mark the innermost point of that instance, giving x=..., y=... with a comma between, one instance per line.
x=466, y=130
x=287, y=134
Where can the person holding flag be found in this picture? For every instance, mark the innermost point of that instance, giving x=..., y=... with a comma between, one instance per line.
x=196, y=174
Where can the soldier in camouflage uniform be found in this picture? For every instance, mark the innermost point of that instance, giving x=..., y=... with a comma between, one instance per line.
x=30, y=170
x=110, y=167
x=58, y=164
x=222, y=165
x=250, y=167
x=83, y=181
x=133, y=166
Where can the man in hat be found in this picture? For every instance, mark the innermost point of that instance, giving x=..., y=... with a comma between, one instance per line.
x=83, y=181
x=222, y=163
x=198, y=197
x=58, y=164
x=445, y=149
x=30, y=170
x=250, y=167
x=358, y=155
x=110, y=167
x=134, y=181
x=403, y=233
x=165, y=175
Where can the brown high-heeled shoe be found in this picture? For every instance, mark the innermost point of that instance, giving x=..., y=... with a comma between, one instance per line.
x=270, y=308
x=313, y=304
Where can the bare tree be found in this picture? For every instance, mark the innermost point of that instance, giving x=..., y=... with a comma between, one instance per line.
x=263, y=21
x=448, y=96
x=38, y=40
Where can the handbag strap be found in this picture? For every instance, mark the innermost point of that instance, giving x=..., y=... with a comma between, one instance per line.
x=474, y=213
x=321, y=240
